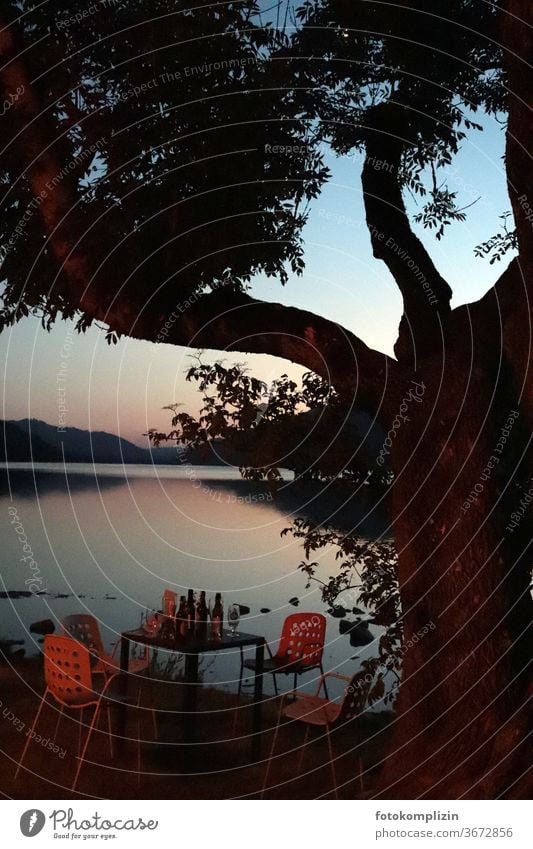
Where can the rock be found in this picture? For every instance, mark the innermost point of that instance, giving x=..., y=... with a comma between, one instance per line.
x=244, y=609
x=337, y=611
x=16, y=594
x=349, y=625
x=360, y=635
x=294, y=601
x=45, y=626
x=265, y=610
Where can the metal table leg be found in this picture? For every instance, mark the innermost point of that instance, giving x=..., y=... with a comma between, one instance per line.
x=258, y=700
x=190, y=704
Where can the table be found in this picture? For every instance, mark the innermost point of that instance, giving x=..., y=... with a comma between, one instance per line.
x=192, y=647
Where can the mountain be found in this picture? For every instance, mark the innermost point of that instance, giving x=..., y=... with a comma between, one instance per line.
x=15, y=446
x=32, y=439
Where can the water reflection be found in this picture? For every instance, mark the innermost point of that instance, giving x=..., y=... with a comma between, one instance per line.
x=110, y=543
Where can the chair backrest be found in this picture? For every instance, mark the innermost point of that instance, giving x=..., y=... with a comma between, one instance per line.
x=169, y=601
x=302, y=639
x=355, y=697
x=84, y=628
x=67, y=671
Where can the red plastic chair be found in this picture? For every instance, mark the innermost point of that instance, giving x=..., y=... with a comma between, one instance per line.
x=300, y=649
x=84, y=628
x=323, y=714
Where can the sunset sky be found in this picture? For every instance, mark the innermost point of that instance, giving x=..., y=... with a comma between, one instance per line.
x=122, y=388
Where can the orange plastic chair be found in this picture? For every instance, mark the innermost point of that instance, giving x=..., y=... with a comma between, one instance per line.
x=70, y=681
x=84, y=628
x=300, y=649
x=318, y=712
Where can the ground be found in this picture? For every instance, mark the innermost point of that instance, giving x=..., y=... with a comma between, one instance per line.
x=221, y=769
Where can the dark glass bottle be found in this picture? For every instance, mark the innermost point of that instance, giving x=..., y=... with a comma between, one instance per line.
x=191, y=611
x=201, y=609
x=181, y=619
x=201, y=616
x=217, y=618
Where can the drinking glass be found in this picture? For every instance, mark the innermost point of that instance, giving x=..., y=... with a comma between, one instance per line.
x=234, y=615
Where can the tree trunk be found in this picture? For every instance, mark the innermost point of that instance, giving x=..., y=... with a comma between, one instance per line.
x=464, y=578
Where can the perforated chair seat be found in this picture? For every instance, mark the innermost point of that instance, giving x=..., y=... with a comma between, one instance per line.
x=84, y=628
x=109, y=665
x=279, y=665
x=318, y=712
x=313, y=710
x=300, y=649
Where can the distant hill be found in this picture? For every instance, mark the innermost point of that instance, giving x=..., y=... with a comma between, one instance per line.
x=15, y=445
x=32, y=439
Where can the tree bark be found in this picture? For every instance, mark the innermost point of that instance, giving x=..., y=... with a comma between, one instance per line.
x=461, y=726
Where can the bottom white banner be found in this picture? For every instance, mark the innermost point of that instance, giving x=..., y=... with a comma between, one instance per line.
x=260, y=824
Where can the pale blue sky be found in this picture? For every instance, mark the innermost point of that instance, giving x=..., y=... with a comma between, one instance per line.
x=122, y=388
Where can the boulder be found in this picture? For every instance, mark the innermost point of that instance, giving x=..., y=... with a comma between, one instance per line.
x=45, y=626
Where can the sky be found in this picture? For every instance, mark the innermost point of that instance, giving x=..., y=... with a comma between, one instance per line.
x=123, y=388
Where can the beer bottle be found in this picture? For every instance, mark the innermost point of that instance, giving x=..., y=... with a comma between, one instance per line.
x=217, y=617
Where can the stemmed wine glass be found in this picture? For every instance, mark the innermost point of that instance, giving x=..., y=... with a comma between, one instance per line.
x=234, y=615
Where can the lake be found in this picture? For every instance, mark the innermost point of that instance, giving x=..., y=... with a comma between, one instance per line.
x=108, y=540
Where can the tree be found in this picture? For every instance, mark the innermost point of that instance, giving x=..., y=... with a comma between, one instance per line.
x=113, y=194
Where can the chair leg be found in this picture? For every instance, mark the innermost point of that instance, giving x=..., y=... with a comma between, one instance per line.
x=29, y=736
x=301, y=758
x=241, y=672
x=295, y=681
x=361, y=783
x=60, y=714
x=110, y=730
x=89, y=734
x=275, y=680
x=267, y=771
x=332, y=762
x=139, y=738
x=80, y=725
x=324, y=680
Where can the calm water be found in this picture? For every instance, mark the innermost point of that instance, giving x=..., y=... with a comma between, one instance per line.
x=113, y=540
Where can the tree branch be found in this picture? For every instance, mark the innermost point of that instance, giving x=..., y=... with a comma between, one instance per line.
x=229, y=320
x=426, y=295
